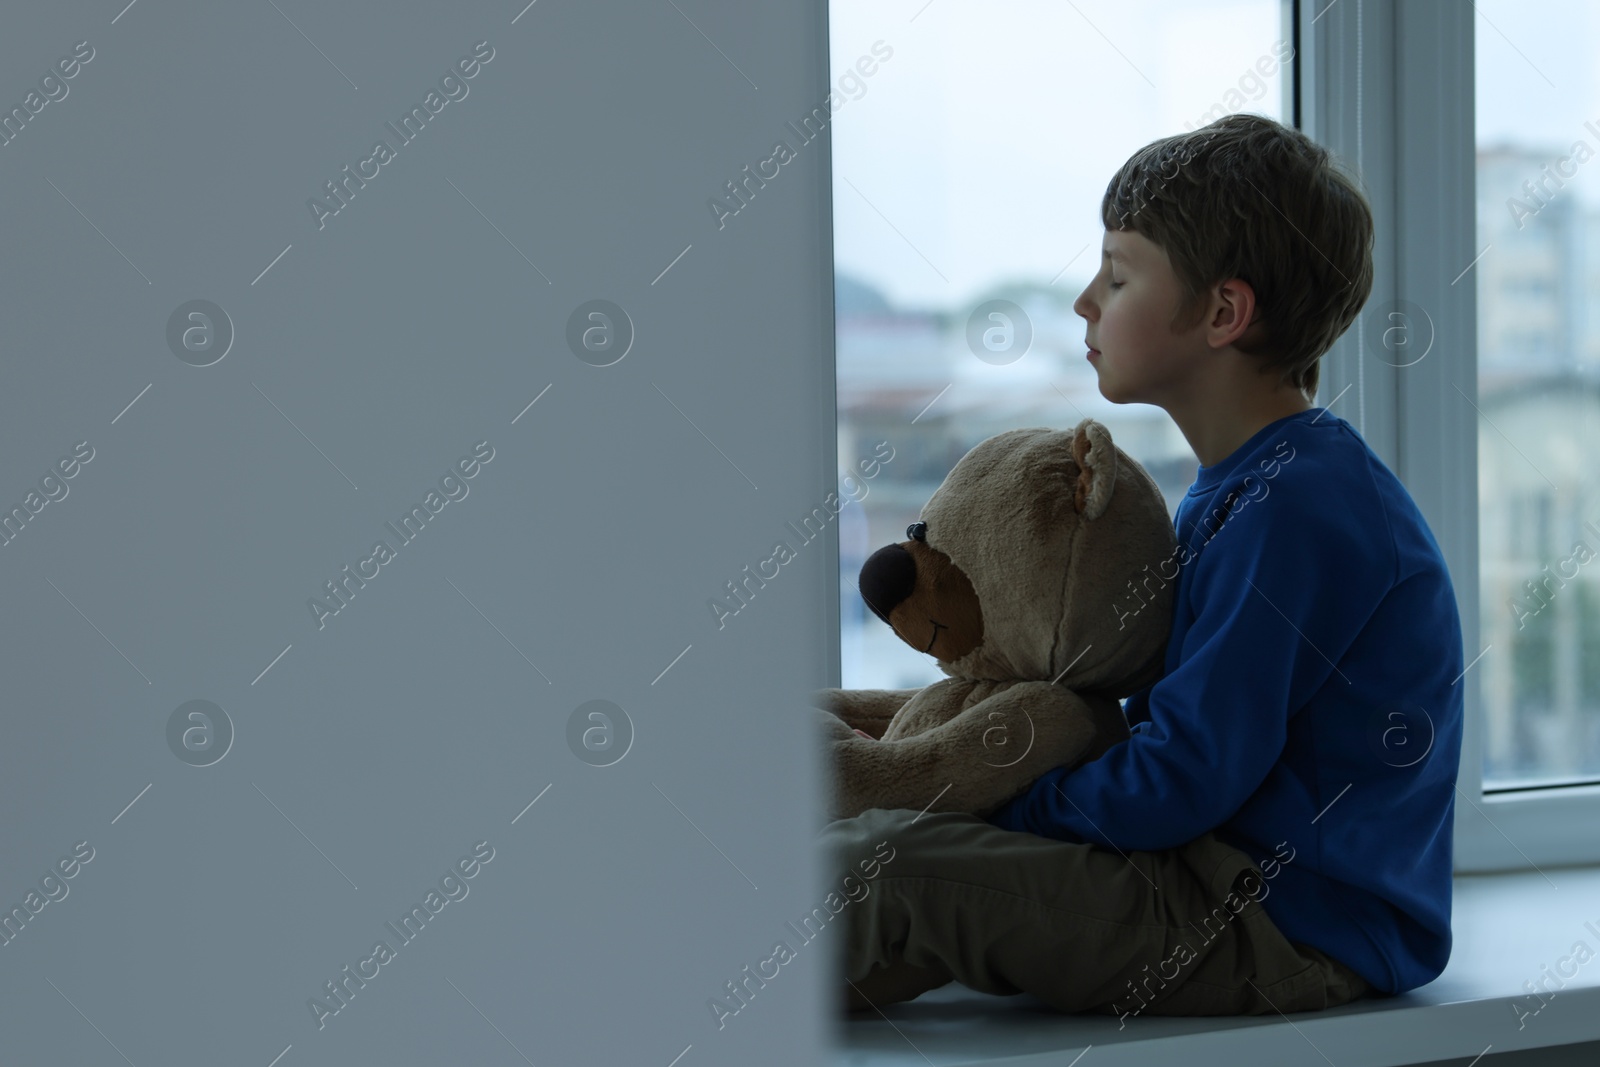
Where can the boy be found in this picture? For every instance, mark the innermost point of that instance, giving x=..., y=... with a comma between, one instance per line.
x=1275, y=834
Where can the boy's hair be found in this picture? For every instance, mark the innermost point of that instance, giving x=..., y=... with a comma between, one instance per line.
x=1247, y=197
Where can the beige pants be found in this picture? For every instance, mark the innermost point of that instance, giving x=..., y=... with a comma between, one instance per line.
x=1080, y=927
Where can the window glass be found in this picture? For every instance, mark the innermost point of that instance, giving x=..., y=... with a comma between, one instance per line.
x=1538, y=284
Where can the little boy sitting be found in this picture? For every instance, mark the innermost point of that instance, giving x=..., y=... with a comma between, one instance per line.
x=1275, y=834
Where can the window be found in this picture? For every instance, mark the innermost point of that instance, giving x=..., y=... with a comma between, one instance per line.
x=1538, y=217
x=968, y=171
x=946, y=196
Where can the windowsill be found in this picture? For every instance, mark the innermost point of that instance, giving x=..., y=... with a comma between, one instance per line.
x=1508, y=928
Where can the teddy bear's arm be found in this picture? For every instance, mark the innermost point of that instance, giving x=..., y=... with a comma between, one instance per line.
x=979, y=759
x=864, y=709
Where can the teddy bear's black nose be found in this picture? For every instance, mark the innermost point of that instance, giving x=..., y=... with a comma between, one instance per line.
x=887, y=577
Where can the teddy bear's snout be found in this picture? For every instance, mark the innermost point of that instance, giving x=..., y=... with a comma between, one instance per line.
x=924, y=598
x=887, y=577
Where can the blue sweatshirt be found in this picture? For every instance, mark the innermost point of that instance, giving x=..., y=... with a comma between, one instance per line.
x=1311, y=709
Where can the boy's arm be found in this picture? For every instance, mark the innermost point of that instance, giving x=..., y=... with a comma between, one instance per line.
x=1009, y=815
x=1280, y=593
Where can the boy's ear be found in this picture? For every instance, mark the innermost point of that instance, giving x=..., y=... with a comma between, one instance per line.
x=1096, y=457
x=1231, y=321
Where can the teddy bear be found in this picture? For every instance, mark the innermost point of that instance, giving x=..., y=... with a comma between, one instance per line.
x=1033, y=578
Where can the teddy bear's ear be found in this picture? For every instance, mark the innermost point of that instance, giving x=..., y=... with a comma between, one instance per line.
x=1096, y=457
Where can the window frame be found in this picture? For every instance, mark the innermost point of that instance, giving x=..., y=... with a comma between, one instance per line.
x=1390, y=88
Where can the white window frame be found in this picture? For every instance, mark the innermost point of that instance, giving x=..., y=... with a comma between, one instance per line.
x=1389, y=87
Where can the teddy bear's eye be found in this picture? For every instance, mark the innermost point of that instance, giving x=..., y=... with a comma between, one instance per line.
x=918, y=531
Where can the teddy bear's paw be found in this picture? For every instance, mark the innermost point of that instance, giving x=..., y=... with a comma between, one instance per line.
x=830, y=726
x=829, y=700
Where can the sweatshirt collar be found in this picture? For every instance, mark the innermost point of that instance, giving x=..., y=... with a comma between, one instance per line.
x=1208, y=478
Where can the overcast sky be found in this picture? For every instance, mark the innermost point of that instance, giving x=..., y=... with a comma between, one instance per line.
x=988, y=137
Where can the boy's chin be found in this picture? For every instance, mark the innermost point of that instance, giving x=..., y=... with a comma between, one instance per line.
x=1116, y=390
x=1108, y=389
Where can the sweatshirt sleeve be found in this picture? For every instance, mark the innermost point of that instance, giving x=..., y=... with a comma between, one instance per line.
x=1277, y=595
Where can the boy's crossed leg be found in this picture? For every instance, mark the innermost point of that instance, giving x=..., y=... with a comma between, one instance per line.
x=1080, y=927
